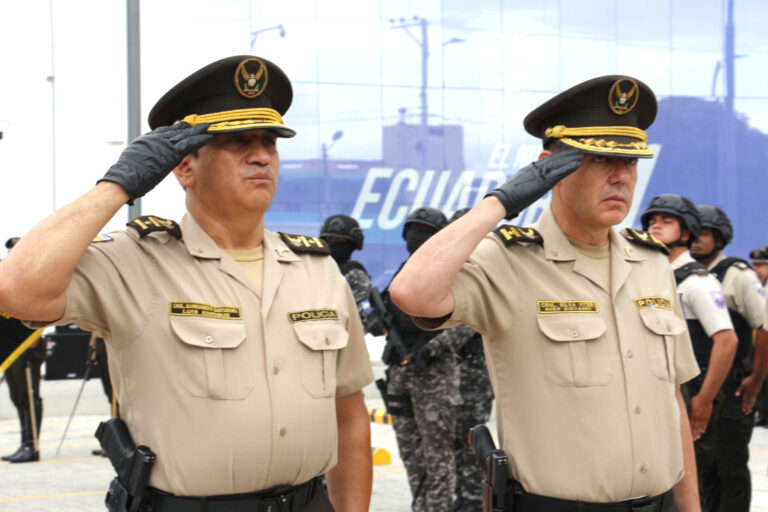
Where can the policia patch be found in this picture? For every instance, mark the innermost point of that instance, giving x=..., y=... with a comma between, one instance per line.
x=149, y=224
x=303, y=243
x=510, y=234
x=646, y=239
x=653, y=302
x=313, y=314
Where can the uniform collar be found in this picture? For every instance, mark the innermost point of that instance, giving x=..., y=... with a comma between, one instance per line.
x=200, y=245
x=557, y=247
x=720, y=257
x=683, y=259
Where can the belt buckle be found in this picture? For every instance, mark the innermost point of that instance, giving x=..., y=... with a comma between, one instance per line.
x=276, y=504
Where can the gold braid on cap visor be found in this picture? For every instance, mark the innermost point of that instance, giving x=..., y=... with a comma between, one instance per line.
x=234, y=119
x=590, y=138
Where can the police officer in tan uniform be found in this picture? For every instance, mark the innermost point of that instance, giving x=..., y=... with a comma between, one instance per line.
x=237, y=353
x=582, y=326
x=727, y=483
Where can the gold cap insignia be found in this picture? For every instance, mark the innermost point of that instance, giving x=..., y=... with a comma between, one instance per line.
x=251, y=77
x=623, y=96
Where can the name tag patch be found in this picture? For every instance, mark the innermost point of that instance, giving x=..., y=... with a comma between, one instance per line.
x=653, y=302
x=566, y=306
x=205, y=310
x=313, y=314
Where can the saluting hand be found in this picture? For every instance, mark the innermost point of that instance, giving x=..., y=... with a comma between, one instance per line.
x=534, y=180
x=149, y=158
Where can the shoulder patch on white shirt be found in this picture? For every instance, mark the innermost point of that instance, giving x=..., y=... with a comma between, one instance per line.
x=718, y=298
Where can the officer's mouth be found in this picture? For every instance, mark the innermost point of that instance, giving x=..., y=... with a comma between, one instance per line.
x=615, y=200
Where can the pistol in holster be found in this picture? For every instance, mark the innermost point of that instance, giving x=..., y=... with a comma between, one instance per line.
x=494, y=463
x=132, y=464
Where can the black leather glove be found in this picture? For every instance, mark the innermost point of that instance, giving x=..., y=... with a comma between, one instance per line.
x=534, y=180
x=149, y=159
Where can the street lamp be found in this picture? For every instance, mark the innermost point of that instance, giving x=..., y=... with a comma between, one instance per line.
x=424, y=45
x=326, y=177
x=257, y=32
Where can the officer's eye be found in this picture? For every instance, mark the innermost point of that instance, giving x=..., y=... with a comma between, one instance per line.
x=599, y=159
x=630, y=161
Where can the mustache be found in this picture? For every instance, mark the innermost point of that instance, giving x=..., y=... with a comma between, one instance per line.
x=260, y=172
x=616, y=191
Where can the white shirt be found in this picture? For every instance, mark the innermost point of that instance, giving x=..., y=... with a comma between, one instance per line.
x=702, y=298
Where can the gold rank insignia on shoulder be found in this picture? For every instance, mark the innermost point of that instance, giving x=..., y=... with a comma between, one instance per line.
x=645, y=238
x=510, y=234
x=653, y=302
x=303, y=243
x=101, y=237
x=150, y=223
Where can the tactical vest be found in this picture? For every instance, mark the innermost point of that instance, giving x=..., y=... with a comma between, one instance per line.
x=742, y=362
x=702, y=344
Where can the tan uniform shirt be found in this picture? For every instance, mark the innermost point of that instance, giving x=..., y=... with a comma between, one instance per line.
x=585, y=377
x=743, y=293
x=233, y=388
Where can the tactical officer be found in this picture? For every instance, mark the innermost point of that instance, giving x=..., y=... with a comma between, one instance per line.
x=475, y=409
x=427, y=379
x=22, y=376
x=343, y=235
x=237, y=353
x=759, y=258
x=727, y=486
x=582, y=324
x=674, y=220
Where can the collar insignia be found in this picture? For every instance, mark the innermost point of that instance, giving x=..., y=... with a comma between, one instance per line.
x=251, y=77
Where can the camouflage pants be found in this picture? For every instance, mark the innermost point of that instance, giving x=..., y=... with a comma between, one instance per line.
x=477, y=397
x=425, y=440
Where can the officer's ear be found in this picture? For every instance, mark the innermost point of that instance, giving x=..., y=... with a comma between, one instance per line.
x=183, y=172
x=685, y=236
x=544, y=153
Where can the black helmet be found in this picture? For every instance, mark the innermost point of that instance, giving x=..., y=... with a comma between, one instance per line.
x=714, y=218
x=458, y=213
x=759, y=255
x=428, y=216
x=677, y=205
x=343, y=226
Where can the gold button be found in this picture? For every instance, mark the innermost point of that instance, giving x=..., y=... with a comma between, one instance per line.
x=208, y=339
x=643, y=469
x=283, y=431
x=275, y=370
x=630, y=355
x=637, y=409
x=628, y=250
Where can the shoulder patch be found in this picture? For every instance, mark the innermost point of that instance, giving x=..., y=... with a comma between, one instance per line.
x=303, y=243
x=510, y=234
x=646, y=239
x=101, y=237
x=149, y=224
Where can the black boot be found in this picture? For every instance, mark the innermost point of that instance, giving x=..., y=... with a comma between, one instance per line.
x=28, y=452
x=22, y=419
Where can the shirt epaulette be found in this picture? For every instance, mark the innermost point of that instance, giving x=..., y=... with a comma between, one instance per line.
x=510, y=234
x=147, y=224
x=693, y=267
x=303, y=243
x=646, y=239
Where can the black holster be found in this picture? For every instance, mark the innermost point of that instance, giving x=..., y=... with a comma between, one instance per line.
x=396, y=405
x=132, y=464
x=493, y=462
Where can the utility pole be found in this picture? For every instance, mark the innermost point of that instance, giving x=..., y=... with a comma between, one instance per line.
x=134, y=85
x=424, y=45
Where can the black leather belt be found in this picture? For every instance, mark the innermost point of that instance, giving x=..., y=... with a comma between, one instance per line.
x=285, y=499
x=526, y=502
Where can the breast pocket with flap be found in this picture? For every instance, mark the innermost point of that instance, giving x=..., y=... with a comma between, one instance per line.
x=318, y=354
x=575, y=354
x=212, y=360
x=662, y=326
